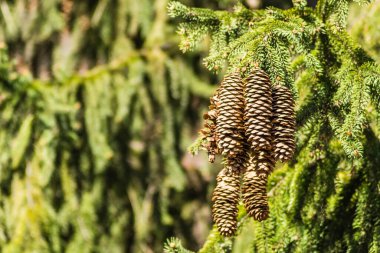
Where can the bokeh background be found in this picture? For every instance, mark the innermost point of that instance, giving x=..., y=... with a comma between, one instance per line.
x=97, y=109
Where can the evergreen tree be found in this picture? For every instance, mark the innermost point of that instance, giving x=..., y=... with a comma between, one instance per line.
x=327, y=199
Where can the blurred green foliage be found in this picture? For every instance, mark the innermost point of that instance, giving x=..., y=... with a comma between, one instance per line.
x=97, y=108
x=364, y=26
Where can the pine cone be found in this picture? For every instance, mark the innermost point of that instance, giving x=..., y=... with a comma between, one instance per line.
x=225, y=200
x=255, y=185
x=226, y=196
x=284, y=123
x=258, y=110
x=209, y=129
x=230, y=120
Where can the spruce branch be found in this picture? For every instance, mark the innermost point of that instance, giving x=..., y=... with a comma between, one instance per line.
x=80, y=79
x=196, y=146
x=198, y=15
x=300, y=4
x=337, y=86
x=174, y=245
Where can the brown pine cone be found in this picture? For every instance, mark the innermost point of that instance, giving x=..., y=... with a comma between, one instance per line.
x=230, y=120
x=225, y=200
x=255, y=185
x=284, y=123
x=226, y=196
x=258, y=110
x=209, y=129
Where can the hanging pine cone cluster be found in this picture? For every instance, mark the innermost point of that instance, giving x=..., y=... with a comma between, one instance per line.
x=252, y=124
